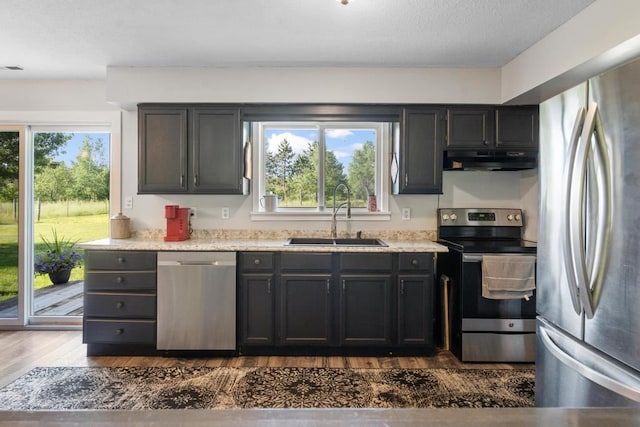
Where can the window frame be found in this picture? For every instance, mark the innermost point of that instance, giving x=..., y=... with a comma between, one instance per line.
x=383, y=145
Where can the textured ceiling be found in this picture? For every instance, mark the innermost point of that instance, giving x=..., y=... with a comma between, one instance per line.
x=70, y=39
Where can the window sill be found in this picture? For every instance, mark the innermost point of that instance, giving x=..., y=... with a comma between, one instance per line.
x=298, y=215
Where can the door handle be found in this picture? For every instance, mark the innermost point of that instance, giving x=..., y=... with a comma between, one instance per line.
x=589, y=280
x=590, y=364
x=569, y=211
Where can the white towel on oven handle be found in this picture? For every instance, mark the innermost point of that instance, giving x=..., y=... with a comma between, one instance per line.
x=508, y=276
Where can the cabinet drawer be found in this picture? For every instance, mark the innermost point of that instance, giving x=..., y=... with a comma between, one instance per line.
x=256, y=261
x=306, y=261
x=119, y=332
x=119, y=281
x=119, y=305
x=366, y=262
x=120, y=260
x=415, y=261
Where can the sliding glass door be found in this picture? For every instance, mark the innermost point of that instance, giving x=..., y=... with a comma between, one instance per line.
x=70, y=204
x=54, y=192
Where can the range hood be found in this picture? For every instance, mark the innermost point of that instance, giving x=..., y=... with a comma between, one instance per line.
x=490, y=160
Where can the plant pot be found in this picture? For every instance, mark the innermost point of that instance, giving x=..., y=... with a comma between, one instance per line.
x=59, y=277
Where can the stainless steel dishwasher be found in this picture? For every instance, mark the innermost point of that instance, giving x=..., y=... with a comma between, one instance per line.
x=196, y=301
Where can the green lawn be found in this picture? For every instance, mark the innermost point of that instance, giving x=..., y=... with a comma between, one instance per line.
x=81, y=228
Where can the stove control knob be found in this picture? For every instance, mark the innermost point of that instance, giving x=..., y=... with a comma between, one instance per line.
x=518, y=217
x=454, y=217
x=510, y=217
x=445, y=217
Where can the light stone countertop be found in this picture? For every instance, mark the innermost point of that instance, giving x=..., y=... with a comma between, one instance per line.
x=199, y=244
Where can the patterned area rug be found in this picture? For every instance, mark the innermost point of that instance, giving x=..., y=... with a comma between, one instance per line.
x=218, y=388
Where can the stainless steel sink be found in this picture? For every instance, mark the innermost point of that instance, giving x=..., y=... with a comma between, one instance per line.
x=320, y=241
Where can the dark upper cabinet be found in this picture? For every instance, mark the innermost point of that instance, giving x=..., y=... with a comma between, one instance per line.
x=162, y=150
x=418, y=152
x=489, y=127
x=470, y=128
x=517, y=127
x=189, y=150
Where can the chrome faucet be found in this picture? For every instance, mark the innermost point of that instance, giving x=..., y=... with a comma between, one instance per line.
x=334, y=231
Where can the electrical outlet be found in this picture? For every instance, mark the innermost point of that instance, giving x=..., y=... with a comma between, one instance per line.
x=193, y=212
x=406, y=213
x=128, y=202
x=225, y=213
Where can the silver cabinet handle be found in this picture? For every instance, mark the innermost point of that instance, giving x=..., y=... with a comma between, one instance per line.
x=402, y=287
x=344, y=286
x=406, y=179
x=119, y=331
x=119, y=304
x=328, y=286
x=121, y=260
x=569, y=211
x=268, y=286
x=256, y=261
x=196, y=179
x=181, y=180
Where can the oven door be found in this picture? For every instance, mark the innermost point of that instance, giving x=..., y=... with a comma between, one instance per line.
x=503, y=314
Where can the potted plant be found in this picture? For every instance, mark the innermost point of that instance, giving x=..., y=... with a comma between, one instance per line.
x=59, y=259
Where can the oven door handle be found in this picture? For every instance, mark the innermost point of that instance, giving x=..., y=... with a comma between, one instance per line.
x=478, y=257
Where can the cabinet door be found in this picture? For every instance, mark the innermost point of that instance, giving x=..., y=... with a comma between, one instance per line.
x=517, y=127
x=216, y=151
x=305, y=309
x=162, y=150
x=470, y=128
x=365, y=309
x=421, y=145
x=256, y=309
x=415, y=310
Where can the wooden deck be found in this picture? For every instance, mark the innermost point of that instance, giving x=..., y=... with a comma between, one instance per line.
x=54, y=300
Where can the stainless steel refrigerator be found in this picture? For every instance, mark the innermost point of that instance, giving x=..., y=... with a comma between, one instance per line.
x=588, y=265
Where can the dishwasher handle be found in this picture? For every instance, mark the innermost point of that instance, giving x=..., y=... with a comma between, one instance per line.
x=206, y=263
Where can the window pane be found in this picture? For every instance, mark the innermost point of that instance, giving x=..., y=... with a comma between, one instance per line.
x=351, y=158
x=9, y=167
x=71, y=203
x=291, y=169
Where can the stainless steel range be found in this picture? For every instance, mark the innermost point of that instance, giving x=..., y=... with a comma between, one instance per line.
x=486, y=327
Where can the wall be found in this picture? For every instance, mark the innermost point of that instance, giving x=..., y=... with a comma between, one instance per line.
x=603, y=35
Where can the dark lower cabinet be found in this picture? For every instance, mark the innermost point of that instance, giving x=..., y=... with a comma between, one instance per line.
x=416, y=300
x=305, y=309
x=415, y=310
x=257, y=309
x=365, y=310
x=119, y=302
x=256, y=303
x=332, y=301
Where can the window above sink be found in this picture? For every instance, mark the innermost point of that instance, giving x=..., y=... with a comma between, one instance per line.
x=301, y=163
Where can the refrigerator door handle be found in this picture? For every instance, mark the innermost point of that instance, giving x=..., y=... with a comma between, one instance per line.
x=569, y=212
x=591, y=364
x=590, y=280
